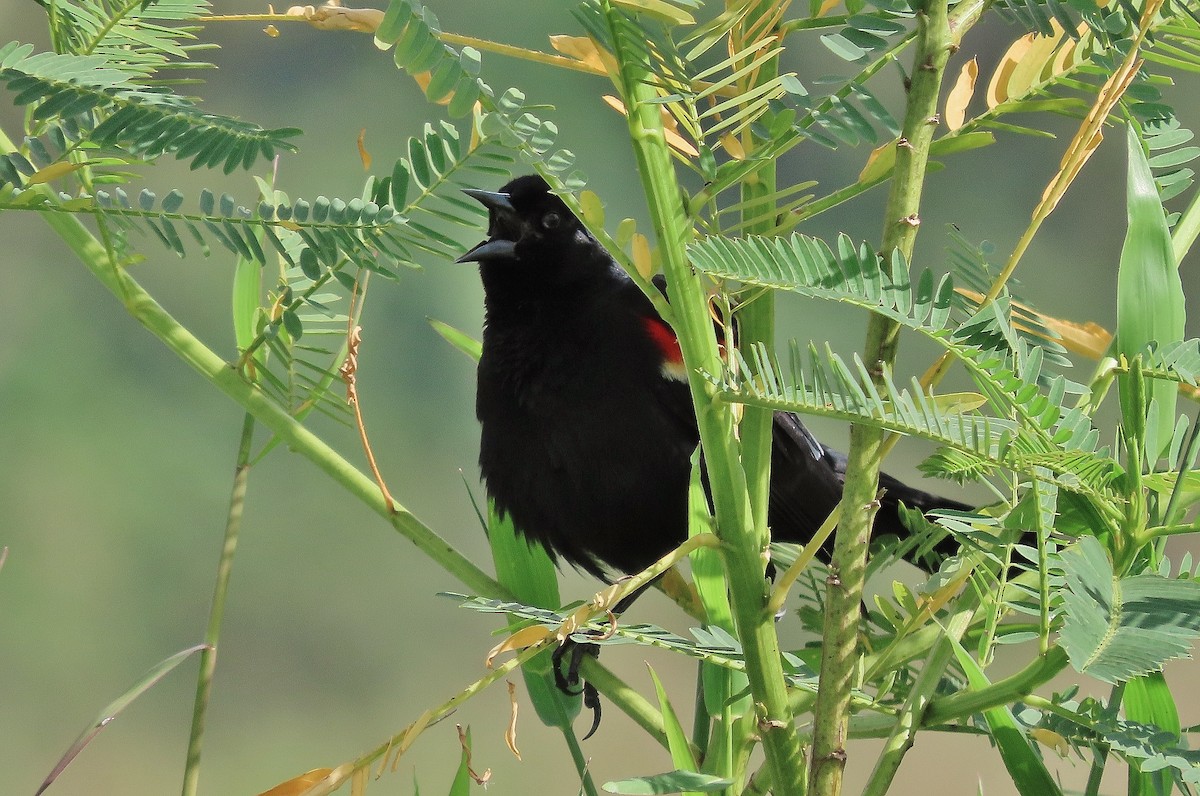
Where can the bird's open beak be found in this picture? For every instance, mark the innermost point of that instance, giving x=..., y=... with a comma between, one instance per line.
x=492, y=200
x=503, y=216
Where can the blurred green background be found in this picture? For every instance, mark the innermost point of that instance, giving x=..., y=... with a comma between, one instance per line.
x=118, y=460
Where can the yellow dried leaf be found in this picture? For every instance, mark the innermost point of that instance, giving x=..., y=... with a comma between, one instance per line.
x=584, y=50
x=297, y=785
x=410, y=736
x=1032, y=66
x=1057, y=187
x=881, y=161
x=659, y=8
x=670, y=127
x=510, y=734
x=827, y=6
x=53, y=172
x=998, y=87
x=1066, y=57
x=525, y=637
x=465, y=742
x=335, y=17
x=731, y=144
x=960, y=95
x=641, y=255
x=363, y=154
x=1052, y=739
x=1088, y=339
x=593, y=209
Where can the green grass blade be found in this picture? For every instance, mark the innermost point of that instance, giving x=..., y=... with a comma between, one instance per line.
x=113, y=709
x=527, y=571
x=1148, y=700
x=1150, y=298
x=681, y=752
x=459, y=339
x=1024, y=764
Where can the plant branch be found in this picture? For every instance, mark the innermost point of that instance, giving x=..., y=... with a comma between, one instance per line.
x=859, y=501
x=208, y=656
x=744, y=549
x=911, y=715
x=1002, y=692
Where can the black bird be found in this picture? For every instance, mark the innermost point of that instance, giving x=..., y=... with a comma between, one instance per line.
x=587, y=423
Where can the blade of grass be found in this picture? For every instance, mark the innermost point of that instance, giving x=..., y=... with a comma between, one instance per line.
x=1024, y=765
x=1150, y=298
x=208, y=658
x=115, y=708
x=1148, y=700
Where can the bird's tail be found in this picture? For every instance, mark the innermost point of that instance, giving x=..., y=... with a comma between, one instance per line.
x=888, y=522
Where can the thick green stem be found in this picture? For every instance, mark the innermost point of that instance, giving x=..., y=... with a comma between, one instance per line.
x=1002, y=692
x=744, y=547
x=756, y=319
x=911, y=715
x=756, y=326
x=208, y=658
x=859, y=504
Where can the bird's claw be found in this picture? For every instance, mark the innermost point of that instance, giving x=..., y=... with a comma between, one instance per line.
x=570, y=683
x=591, y=699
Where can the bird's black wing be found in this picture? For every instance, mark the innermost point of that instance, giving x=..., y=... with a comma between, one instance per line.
x=806, y=476
x=806, y=483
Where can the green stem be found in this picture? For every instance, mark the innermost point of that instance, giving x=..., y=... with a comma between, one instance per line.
x=756, y=319
x=144, y=309
x=848, y=569
x=1002, y=692
x=578, y=757
x=755, y=326
x=744, y=548
x=911, y=715
x=208, y=658
x=630, y=702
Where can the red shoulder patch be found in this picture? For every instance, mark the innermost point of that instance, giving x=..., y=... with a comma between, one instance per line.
x=664, y=338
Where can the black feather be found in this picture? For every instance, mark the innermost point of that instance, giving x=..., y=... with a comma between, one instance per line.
x=586, y=437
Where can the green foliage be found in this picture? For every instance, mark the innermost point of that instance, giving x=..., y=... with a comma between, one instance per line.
x=1028, y=430
x=128, y=115
x=1089, y=726
x=670, y=782
x=1068, y=558
x=1115, y=628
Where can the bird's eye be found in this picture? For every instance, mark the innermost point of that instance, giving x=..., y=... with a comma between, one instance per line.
x=551, y=220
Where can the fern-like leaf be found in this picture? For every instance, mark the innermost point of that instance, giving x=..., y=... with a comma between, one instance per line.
x=139, y=120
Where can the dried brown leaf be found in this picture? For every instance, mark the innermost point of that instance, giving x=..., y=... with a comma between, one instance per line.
x=960, y=95
x=297, y=785
x=525, y=637
x=510, y=734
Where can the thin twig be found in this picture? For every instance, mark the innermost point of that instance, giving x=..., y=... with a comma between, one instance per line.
x=208, y=657
x=349, y=373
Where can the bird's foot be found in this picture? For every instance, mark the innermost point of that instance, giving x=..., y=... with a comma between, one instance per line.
x=568, y=680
